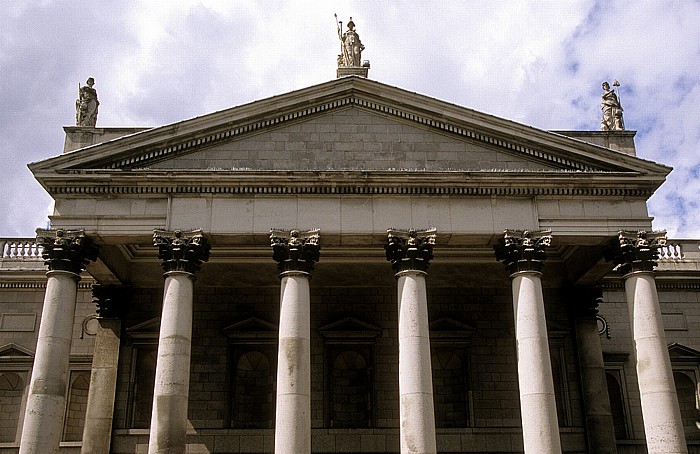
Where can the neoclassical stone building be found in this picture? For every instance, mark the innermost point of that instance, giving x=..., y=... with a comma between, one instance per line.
x=350, y=267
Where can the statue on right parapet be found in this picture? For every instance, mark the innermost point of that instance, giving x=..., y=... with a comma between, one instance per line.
x=86, y=104
x=612, y=109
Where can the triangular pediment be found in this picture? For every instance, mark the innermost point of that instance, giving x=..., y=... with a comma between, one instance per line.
x=350, y=328
x=150, y=329
x=345, y=125
x=681, y=353
x=252, y=328
x=15, y=351
x=449, y=328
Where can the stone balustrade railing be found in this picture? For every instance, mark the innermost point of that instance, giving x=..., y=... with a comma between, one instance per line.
x=20, y=249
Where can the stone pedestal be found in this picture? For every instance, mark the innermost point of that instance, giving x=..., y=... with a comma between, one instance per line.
x=410, y=253
x=600, y=429
x=66, y=254
x=296, y=252
x=523, y=254
x=182, y=253
x=635, y=254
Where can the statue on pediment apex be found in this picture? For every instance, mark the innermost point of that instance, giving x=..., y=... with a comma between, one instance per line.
x=351, y=46
x=612, y=109
x=86, y=104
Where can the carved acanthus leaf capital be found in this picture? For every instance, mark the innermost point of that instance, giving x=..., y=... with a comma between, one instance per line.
x=523, y=250
x=295, y=250
x=66, y=250
x=181, y=250
x=635, y=250
x=111, y=300
x=410, y=249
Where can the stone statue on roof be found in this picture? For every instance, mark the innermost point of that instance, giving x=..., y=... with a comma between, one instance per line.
x=351, y=46
x=612, y=109
x=86, y=104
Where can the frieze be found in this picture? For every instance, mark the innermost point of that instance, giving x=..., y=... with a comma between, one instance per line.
x=410, y=249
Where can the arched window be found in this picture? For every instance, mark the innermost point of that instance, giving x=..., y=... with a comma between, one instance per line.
x=350, y=389
x=617, y=404
x=253, y=399
x=11, y=390
x=686, y=389
x=76, y=406
x=450, y=387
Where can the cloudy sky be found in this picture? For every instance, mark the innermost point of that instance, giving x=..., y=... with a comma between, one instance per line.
x=540, y=63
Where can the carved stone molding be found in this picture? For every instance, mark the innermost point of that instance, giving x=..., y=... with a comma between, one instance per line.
x=66, y=250
x=294, y=250
x=523, y=250
x=111, y=300
x=410, y=249
x=181, y=250
x=635, y=250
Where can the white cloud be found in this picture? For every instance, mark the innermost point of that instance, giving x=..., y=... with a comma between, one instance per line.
x=537, y=62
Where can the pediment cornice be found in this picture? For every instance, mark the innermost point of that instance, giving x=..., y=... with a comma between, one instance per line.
x=158, y=144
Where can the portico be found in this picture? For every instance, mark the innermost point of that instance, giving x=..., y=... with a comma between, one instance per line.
x=338, y=351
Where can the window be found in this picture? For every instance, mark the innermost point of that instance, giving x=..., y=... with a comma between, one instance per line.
x=450, y=392
x=143, y=384
x=11, y=391
x=253, y=387
x=349, y=373
x=76, y=406
x=252, y=382
x=617, y=403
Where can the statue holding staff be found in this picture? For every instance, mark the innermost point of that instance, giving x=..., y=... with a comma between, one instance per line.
x=612, y=109
x=351, y=47
x=86, y=104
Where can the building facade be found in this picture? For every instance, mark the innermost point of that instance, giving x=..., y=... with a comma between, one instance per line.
x=349, y=267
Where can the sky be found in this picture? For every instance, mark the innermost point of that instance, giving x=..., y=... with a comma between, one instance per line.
x=540, y=63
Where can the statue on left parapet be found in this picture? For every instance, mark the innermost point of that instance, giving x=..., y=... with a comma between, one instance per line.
x=86, y=105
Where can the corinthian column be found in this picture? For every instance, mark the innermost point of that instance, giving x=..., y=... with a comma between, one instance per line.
x=66, y=253
x=296, y=252
x=182, y=254
x=522, y=253
x=97, y=433
x=635, y=254
x=410, y=253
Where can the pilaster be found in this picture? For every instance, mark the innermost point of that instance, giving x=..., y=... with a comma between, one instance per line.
x=111, y=302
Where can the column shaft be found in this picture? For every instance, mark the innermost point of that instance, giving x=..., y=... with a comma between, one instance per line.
x=97, y=433
x=46, y=404
x=417, y=413
x=293, y=415
x=169, y=416
x=662, y=419
x=600, y=430
x=537, y=404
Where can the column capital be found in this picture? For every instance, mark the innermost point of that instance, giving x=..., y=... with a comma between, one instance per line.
x=111, y=300
x=635, y=250
x=410, y=250
x=294, y=250
x=585, y=300
x=523, y=250
x=66, y=250
x=181, y=250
